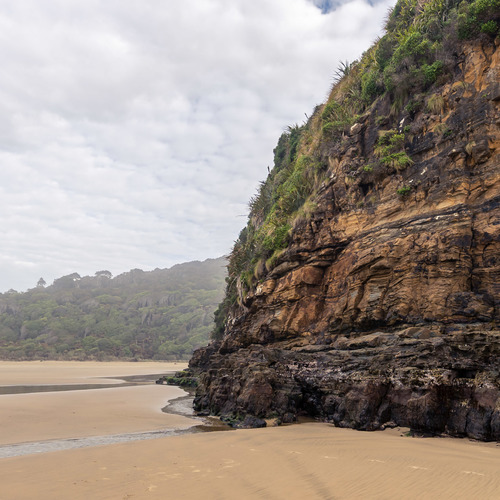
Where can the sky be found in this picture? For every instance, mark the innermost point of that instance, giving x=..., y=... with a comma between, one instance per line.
x=134, y=132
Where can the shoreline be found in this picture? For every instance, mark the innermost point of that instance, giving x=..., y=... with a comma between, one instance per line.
x=75, y=372
x=46, y=412
x=142, y=441
x=178, y=415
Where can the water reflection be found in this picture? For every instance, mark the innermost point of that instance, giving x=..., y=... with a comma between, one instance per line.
x=128, y=381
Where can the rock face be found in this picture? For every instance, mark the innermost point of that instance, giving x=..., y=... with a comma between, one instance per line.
x=383, y=309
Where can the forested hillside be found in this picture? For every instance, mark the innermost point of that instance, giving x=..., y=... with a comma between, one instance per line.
x=161, y=314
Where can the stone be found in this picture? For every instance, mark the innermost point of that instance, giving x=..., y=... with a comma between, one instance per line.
x=384, y=315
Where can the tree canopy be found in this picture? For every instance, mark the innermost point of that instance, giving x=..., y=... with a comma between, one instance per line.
x=161, y=314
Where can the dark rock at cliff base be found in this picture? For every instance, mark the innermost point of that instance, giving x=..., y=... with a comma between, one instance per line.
x=383, y=309
x=247, y=422
x=445, y=383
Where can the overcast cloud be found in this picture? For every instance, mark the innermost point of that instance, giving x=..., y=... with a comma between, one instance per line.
x=133, y=132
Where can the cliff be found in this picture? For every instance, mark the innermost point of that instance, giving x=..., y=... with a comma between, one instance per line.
x=365, y=289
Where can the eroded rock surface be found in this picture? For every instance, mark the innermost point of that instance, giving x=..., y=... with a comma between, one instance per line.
x=383, y=310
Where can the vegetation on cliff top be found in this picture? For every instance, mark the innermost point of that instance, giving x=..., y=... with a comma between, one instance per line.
x=404, y=68
x=162, y=314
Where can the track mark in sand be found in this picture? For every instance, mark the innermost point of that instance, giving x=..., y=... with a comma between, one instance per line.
x=256, y=490
x=312, y=479
x=378, y=461
x=416, y=467
x=473, y=473
x=332, y=458
x=152, y=487
x=295, y=452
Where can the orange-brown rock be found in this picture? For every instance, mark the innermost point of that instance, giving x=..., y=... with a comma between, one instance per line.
x=384, y=307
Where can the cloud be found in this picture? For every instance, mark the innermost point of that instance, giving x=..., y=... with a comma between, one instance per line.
x=133, y=133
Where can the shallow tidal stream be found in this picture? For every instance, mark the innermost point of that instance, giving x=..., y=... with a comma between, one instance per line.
x=179, y=406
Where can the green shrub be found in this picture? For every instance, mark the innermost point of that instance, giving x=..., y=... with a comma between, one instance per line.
x=490, y=28
x=481, y=16
x=413, y=107
x=384, y=51
x=337, y=127
x=246, y=278
x=336, y=113
x=295, y=133
x=389, y=142
x=370, y=86
x=277, y=239
x=413, y=46
x=389, y=77
x=431, y=72
x=467, y=27
x=399, y=160
x=397, y=141
x=390, y=150
x=281, y=151
x=484, y=9
x=404, y=191
x=330, y=111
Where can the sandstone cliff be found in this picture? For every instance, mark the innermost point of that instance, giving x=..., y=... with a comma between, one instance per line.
x=381, y=306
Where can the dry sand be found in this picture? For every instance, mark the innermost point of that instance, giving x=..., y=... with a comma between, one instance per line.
x=75, y=372
x=306, y=461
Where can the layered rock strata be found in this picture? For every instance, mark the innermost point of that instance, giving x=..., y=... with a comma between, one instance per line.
x=383, y=309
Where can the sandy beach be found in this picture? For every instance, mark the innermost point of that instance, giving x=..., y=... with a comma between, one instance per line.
x=95, y=412
x=75, y=372
x=313, y=461
x=310, y=460
x=79, y=413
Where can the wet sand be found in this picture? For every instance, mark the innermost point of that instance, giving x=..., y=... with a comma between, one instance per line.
x=309, y=460
x=44, y=416
x=94, y=412
x=313, y=461
x=54, y=406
